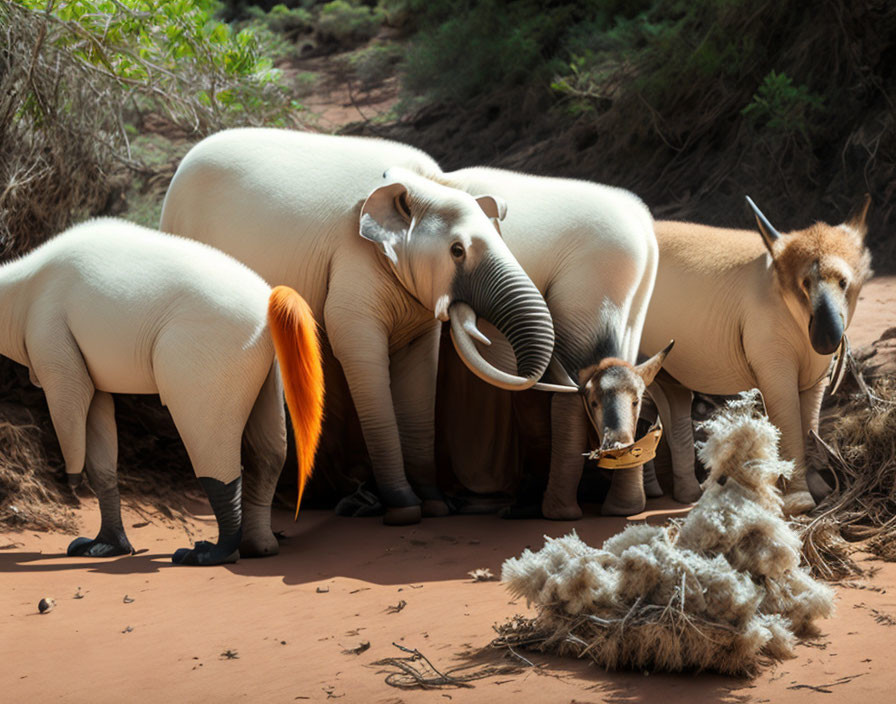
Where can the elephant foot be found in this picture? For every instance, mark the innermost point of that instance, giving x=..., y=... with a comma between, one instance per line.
x=520, y=512
x=687, y=494
x=626, y=496
x=205, y=553
x=651, y=486
x=259, y=544
x=818, y=487
x=402, y=516
x=558, y=509
x=798, y=502
x=99, y=547
x=435, y=508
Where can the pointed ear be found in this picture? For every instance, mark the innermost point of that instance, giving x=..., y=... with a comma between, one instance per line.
x=769, y=234
x=858, y=218
x=493, y=206
x=585, y=375
x=386, y=217
x=649, y=369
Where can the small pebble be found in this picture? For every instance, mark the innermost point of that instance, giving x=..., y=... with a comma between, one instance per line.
x=45, y=605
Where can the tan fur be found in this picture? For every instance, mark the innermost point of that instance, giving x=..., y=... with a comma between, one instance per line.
x=742, y=317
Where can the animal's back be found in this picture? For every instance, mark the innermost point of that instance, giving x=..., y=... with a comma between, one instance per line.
x=707, y=281
x=125, y=292
x=274, y=199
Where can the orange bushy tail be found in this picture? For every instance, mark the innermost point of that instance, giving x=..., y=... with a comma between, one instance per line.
x=294, y=332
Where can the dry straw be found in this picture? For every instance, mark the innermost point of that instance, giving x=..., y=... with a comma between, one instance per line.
x=722, y=590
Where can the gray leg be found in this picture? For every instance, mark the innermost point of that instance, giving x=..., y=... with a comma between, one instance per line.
x=568, y=441
x=101, y=464
x=673, y=403
x=413, y=370
x=264, y=452
x=651, y=486
x=626, y=495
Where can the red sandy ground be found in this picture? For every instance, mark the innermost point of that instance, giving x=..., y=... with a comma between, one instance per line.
x=288, y=621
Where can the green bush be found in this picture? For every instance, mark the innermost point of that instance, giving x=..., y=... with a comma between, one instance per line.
x=373, y=63
x=782, y=106
x=348, y=21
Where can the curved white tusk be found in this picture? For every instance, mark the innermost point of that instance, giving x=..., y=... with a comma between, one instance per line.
x=470, y=326
x=556, y=388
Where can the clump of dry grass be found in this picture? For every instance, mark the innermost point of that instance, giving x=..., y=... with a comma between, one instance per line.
x=859, y=450
x=26, y=498
x=721, y=591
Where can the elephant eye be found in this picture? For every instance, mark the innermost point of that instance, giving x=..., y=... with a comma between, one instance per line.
x=401, y=203
x=457, y=250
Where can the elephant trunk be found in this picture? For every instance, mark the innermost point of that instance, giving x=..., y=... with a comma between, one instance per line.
x=500, y=292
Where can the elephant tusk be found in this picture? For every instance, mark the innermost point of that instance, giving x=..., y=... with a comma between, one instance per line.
x=557, y=388
x=475, y=332
x=462, y=316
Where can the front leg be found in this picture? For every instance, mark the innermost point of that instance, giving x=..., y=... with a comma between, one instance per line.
x=413, y=370
x=361, y=345
x=778, y=382
x=568, y=441
x=810, y=409
x=673, y=403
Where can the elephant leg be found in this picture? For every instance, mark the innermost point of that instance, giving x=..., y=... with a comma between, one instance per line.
x=263, y=453
x=626, y=495
x=568, y=442
x=652, y=487
x=361, y=344
x=101, y=464
x=810, y=409
x=413, y=370
x=673, y=402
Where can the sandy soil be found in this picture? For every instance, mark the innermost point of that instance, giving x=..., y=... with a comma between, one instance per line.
x=137, y=628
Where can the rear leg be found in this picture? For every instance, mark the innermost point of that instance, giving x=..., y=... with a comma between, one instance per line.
x=211, y=429
x=102, y=461
x=264, y=452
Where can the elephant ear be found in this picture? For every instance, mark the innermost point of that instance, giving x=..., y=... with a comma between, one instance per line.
x=386, y=218
x=492, y=206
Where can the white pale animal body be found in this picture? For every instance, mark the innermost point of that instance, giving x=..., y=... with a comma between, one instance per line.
x=591, y=251
x=382, y=252
x=111, y=307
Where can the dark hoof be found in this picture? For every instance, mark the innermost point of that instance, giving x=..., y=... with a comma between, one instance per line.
x=85, y=547
x=518, y=512
x=434, y=508
x=404, y=516
x=360, y=504
x=205, y=553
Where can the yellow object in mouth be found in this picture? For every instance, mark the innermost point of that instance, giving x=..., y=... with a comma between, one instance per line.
x=633, y=455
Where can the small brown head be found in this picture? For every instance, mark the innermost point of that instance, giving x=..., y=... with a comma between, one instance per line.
x=820, y=271
x=612, y=390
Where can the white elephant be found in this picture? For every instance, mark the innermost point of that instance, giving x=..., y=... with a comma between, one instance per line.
x=382, y=252
x=590, y=249
x=111, y=307
x=746, y=315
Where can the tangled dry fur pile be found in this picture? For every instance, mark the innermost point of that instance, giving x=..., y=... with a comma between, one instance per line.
x=720, y=591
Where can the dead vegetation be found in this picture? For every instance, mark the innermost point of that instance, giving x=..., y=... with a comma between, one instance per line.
x=859, y=452
x=723, y=592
